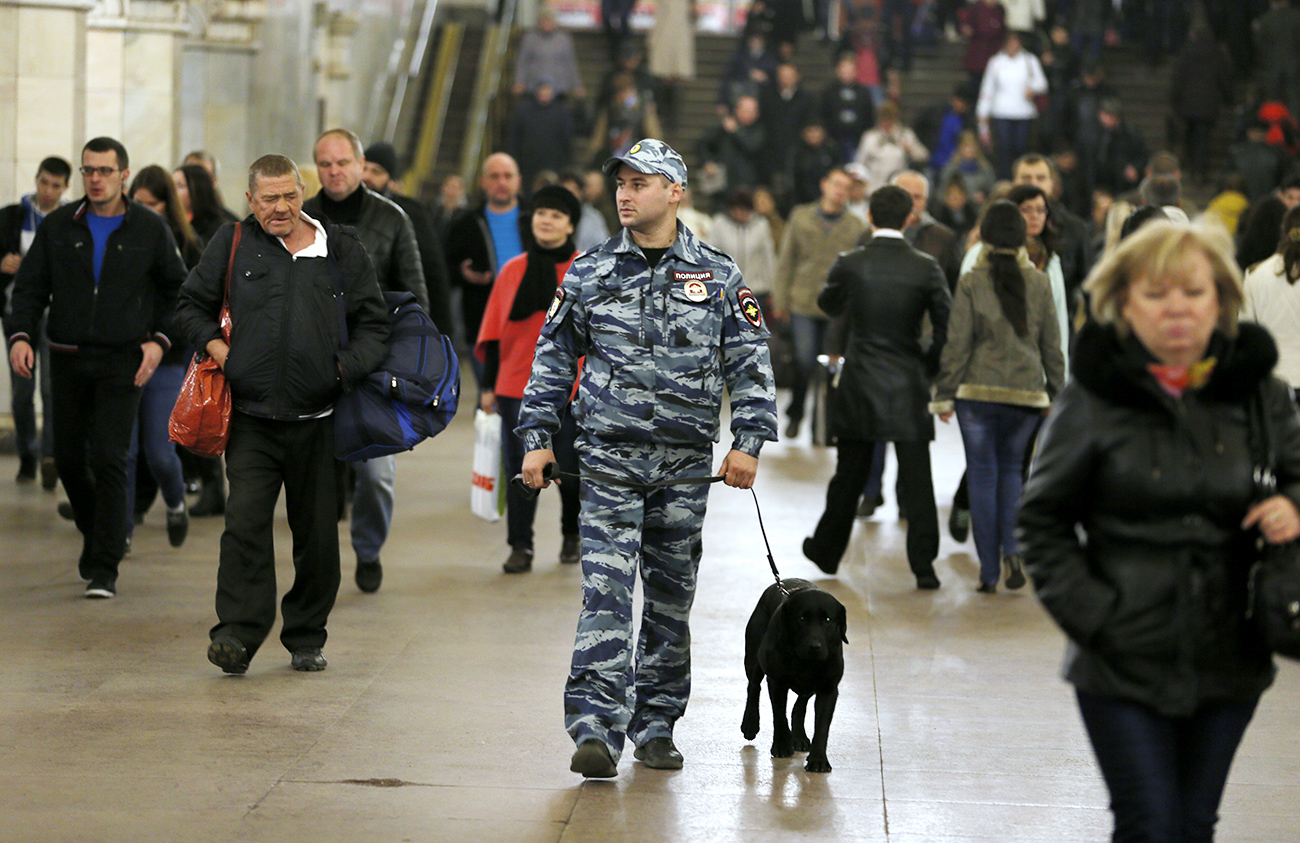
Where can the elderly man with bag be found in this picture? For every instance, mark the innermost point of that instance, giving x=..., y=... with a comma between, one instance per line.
x=286, y=364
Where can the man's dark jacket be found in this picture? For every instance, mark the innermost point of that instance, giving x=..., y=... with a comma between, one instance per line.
x=432, y=260
x=136, y=294
x=386, y=232
x=470, y=239
x=884, y=290
x=285, y=358
x=11, y=242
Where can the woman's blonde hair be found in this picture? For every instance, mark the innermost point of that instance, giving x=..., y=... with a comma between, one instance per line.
x=1159, y=249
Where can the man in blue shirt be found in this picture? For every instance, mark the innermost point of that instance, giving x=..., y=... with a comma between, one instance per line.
x=107, y=270
x=479, y=242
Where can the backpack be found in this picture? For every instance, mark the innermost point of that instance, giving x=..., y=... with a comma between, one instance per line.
x=411, y=396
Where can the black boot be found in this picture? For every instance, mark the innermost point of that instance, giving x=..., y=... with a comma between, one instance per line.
x=212, y=498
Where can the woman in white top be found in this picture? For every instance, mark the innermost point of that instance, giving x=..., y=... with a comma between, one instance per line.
x=1006, y=106
x=1273, y=298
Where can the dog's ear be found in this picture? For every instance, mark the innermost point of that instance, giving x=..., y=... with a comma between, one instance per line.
x=844, y=624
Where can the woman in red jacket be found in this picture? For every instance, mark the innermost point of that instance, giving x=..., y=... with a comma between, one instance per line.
x=507, y=338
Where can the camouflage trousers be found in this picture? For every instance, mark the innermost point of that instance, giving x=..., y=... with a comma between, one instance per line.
x=608, y=695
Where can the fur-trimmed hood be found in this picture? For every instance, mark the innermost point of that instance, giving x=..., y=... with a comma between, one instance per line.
x=1115, y=367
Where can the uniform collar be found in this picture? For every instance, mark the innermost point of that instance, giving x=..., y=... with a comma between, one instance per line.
x=685, y=245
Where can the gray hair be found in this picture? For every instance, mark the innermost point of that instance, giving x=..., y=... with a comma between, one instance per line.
x=272, y=167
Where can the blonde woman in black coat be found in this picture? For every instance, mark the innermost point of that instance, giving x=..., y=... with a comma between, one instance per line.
x=1139, y=519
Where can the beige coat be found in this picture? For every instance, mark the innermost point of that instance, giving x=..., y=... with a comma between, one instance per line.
x=809, y=247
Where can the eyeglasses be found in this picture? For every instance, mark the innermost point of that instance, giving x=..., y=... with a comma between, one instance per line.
x=104, y=172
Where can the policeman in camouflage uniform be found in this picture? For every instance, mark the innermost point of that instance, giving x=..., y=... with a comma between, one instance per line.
x=665, y=322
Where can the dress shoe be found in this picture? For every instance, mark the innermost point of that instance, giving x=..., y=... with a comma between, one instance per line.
x=593, y=761
x=571, y=550
x=959, y=523
x=987, y=588
x=868, y=506
x=212, y=501
x=659, y=754
x=66, y=512
x=927, y=580
x=26, y=470
x=308, y=659
x=49, y=474
x=792, y=428
x=519, y=562
x=369, y=576
x=1015, y=571
x=229, y=654
x=810, y=552
x=178, y=527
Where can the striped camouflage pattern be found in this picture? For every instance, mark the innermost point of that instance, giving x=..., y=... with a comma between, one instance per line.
x=650, y=156
x=660, y=346
x=625, y=529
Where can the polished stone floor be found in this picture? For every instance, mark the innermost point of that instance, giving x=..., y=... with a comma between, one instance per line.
x=439, y=718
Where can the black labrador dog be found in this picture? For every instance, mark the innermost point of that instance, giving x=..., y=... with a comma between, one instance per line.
x=797, y=643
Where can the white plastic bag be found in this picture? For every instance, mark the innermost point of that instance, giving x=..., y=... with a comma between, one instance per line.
x=487, y=494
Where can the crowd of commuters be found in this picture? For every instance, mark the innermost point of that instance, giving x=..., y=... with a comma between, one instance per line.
x=935, y=253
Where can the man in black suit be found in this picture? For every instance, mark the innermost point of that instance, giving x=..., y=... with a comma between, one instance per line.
x=884, y=290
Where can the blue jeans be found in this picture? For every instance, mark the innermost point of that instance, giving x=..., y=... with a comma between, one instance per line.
x=1011, y=139
x=372, y=506
x=996, y=437
x=1165, y=774
x=809, y=334
x=157, y=399
x=33, y=444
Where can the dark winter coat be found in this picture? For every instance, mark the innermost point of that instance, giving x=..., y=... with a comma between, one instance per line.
x=1201, y=84
x=1152, y=591
x=285, y=358
x=884, y=290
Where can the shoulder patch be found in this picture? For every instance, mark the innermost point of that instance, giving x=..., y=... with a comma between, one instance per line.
x=749, y=307
x=556, y=304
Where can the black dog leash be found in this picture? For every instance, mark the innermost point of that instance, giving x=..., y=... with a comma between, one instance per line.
x=551, y=471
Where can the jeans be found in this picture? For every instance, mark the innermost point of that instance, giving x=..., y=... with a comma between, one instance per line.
x=809, y=334
x=1165, y=774
x=520, y=510
x=95, y=402
x=1011, y=139
x=156, y=402
x=33, y=444
x=996, y=437
x=372, y=506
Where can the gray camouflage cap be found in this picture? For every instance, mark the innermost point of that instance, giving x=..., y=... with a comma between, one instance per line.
x=651, y=156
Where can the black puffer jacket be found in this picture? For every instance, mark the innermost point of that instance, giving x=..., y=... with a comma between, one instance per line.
x=285, y=358
x=1153, y=595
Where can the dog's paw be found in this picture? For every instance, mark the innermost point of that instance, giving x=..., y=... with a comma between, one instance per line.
x=782, y=749
x=749, y=726
x=817, y=764
x=801, y=743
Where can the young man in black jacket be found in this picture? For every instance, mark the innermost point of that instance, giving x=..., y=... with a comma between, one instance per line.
x=18, y=224
x=286, y=368
x=107, y=270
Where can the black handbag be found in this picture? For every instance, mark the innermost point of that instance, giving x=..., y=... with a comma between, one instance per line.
x=1273, y=601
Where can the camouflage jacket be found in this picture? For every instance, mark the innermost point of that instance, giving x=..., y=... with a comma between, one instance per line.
x=659, y=344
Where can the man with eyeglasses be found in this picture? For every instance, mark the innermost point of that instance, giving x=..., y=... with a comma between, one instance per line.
x=107, y=270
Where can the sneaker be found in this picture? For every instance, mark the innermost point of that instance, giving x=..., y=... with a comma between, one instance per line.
x=49, y=474
x=959, y=524
x=593, y=760
x=519, y=562
x=659, y=754
x=308, y=659
x=178, y=526
x=26, y=470
x=571, y=551
x=66, y=512
x=229, y=654
x=1015, y=571
x=101, y=590
x=369, y=576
